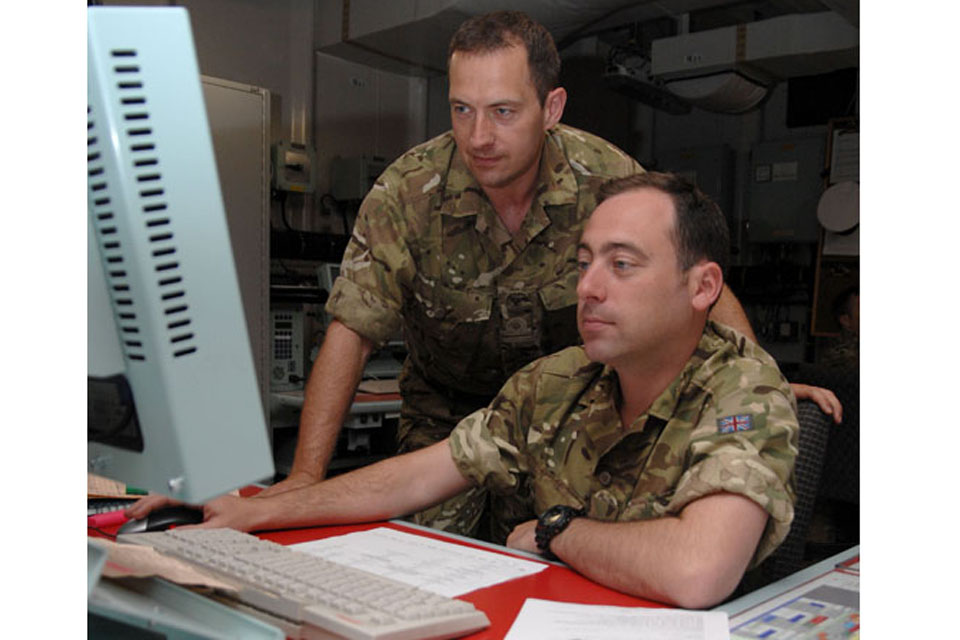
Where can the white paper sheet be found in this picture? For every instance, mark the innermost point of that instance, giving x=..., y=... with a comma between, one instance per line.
x=548, y=620
x=441, y=567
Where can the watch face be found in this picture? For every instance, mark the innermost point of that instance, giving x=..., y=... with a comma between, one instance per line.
x=553, y=517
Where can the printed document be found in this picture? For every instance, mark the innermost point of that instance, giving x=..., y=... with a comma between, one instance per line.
x=549, y=620
x=441, y=567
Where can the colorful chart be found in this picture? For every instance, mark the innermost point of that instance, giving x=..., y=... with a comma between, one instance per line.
x=826, y=608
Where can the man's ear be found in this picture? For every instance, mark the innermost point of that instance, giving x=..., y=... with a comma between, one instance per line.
x=706, y=282
x=553, y=106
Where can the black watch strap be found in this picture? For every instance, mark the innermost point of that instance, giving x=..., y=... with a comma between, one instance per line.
x=551, y=523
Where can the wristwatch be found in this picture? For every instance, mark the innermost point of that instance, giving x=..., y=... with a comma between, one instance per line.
x=551, y=523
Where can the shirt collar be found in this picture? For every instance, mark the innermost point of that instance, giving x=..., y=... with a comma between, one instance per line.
x=665, y=404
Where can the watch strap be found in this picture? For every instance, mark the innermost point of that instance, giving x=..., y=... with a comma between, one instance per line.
x=551, y=523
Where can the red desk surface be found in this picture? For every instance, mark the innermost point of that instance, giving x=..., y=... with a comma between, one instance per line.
x=501, y=602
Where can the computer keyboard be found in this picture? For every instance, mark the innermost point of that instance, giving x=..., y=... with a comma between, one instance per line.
x=105, y=505
x=308, y=590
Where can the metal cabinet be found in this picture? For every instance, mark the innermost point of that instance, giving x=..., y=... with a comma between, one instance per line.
x=239, y=117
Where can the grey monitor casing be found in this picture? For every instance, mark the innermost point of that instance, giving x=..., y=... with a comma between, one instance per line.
x=164, y=305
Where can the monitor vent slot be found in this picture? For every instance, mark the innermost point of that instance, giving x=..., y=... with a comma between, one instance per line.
x=111, y=248
x=138, y=136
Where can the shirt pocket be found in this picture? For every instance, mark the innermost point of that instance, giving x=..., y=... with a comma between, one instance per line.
x=444, y=330
x=559, y=299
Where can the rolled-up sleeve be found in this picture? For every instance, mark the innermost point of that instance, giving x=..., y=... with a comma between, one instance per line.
x=368, y=294
x=746, y=443
x=488, y=445
x=484, y=458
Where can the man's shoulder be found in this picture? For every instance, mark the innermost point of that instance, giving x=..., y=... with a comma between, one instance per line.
x=420, y=168
x=578, y=137
x=431, y=151
x=733, y=359
x=571, y=362
x=590, y=154
x=556, y=371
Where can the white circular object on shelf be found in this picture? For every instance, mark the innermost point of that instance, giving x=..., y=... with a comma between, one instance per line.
x=839, y=207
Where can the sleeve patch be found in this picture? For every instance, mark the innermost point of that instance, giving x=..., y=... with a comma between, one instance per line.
x=733, y=424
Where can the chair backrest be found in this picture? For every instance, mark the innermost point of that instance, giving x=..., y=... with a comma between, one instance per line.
x=840, y=476
x=814, y=433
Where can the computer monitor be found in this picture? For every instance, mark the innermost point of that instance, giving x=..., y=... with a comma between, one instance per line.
x=173, y=401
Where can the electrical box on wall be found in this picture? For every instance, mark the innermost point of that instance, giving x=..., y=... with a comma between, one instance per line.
x=785, y=187
x=293, y=167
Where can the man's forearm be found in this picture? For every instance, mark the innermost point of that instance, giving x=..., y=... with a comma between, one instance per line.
x=693, y=560
x=390, y=488
x=328, y=396
x=729, y=311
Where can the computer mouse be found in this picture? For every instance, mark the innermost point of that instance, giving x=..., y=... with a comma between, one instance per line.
x=163, y=518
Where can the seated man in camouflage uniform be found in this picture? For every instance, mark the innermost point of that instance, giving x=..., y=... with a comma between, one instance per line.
x=659, y=454
x=468, y=243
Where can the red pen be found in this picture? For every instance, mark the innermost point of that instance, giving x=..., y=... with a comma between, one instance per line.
x=107, y=519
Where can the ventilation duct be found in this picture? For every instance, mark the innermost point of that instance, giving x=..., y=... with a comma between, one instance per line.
x=730, y=70
x=726, y=92
x=629, y=75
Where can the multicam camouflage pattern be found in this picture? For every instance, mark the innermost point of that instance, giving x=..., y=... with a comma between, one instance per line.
x=429, y=254
x=844, y=354
x=553, y=436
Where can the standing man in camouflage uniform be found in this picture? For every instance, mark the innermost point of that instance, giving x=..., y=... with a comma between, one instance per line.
x=467, y=242
x=659, y=454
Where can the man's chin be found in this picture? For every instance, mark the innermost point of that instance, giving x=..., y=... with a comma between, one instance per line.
x=491, y=179
x=596, y=352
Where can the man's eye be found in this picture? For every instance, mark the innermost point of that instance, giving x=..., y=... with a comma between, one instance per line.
x=582, y=265
x=621, y=265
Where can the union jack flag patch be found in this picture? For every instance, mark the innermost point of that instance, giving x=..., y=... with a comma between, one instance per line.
x=732, y=424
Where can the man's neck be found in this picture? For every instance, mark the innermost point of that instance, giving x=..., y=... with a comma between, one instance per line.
x=641, y=383
x=513, y=201
x=639, y=392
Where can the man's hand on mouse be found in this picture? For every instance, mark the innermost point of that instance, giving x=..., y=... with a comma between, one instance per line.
x=142, y=507
x=228, y=511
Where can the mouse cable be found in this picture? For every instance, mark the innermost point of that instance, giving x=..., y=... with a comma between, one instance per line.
x=111, y=536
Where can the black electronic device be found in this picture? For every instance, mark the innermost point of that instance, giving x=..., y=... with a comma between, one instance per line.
x=163, y=518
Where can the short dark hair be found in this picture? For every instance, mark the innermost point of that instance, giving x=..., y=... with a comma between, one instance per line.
x=502, y=29
x=700, y=231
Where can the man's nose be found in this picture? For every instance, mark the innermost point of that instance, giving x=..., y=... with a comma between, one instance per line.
x=481, y=133
x=590, y=285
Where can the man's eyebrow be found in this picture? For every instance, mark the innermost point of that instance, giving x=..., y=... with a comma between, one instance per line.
x=504, y=102
x=610, y=247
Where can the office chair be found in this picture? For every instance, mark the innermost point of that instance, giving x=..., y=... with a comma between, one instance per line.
x=840, y=478
x=789, y=556
x=839, y=495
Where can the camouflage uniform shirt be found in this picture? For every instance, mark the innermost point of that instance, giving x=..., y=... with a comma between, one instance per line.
x=553, y=435
x=429, y=254
x=844, y=354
